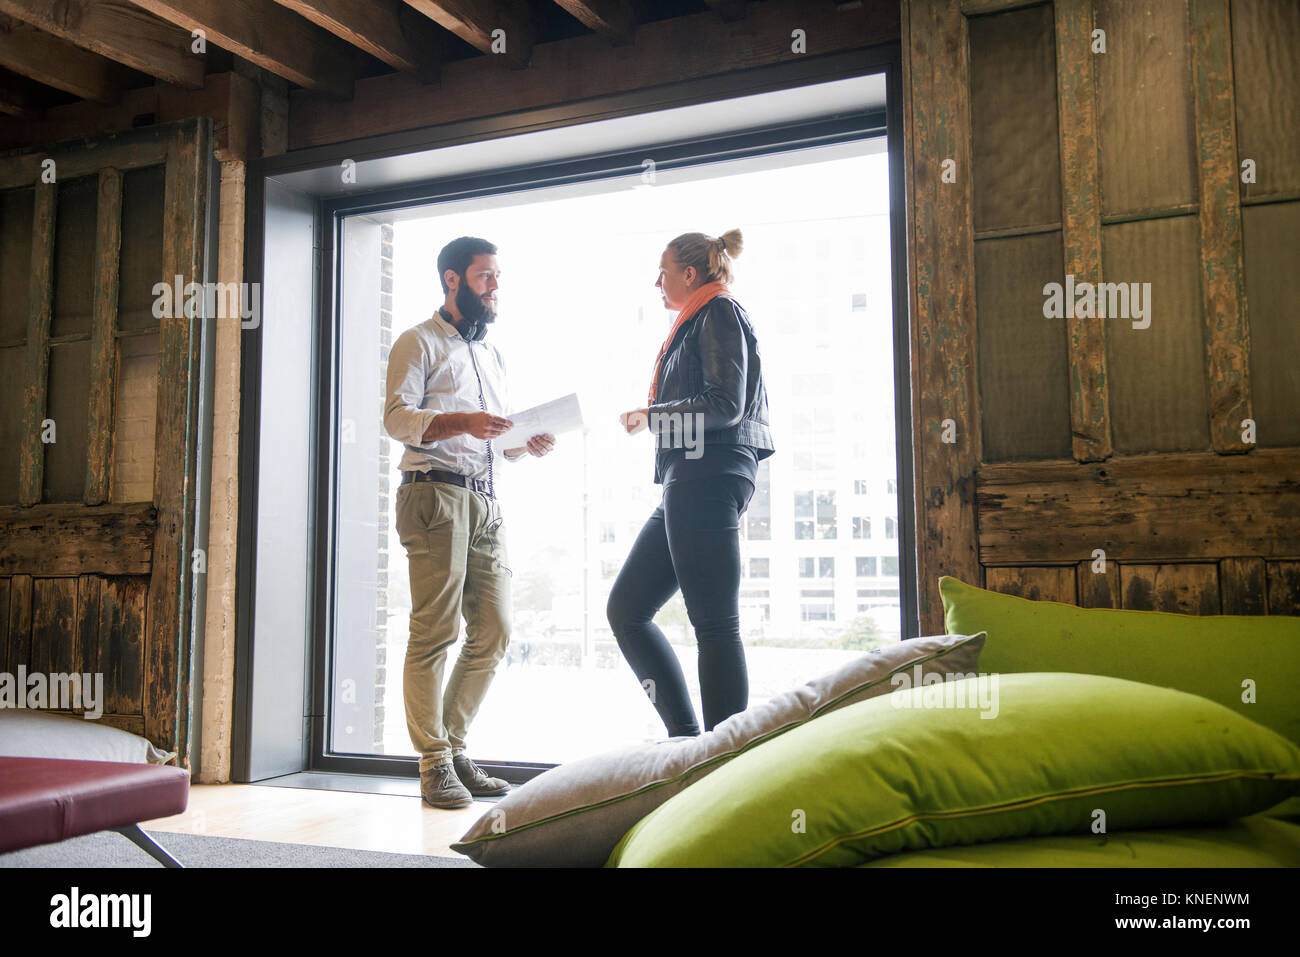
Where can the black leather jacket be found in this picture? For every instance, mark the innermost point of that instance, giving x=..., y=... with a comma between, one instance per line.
x=712, y=373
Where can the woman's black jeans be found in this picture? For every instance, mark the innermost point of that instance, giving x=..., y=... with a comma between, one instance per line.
x=690, y=541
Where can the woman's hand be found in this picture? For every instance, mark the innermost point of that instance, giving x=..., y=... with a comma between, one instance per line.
x=634, y=421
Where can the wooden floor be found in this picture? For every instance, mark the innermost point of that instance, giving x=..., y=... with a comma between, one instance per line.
x=369, y=822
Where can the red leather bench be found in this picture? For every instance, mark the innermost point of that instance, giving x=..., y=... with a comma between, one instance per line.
x=43, y=800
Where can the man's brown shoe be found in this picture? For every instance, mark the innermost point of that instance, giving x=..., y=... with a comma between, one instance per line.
x=440, y=788
x=472, y=776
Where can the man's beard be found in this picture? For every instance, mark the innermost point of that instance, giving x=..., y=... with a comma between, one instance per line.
x=471, y=307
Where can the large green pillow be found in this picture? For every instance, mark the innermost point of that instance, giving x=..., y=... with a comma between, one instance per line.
x=1249, y=664
x=980, y=759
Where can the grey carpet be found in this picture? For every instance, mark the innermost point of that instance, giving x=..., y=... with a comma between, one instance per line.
x=110, y=849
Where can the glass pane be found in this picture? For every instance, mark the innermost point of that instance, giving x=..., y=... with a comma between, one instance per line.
x=578, y=312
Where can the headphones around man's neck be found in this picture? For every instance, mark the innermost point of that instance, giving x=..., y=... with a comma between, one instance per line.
x=471, y=331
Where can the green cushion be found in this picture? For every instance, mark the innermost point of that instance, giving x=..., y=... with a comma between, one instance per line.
x=1210, y=655
x=903, y=772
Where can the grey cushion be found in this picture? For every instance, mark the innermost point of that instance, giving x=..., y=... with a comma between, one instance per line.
x=574, y=814
x=38, y=734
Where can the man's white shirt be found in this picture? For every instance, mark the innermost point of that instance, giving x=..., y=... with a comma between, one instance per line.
x=430, y=373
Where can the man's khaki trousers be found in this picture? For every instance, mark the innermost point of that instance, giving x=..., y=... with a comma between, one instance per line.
x=455, y=548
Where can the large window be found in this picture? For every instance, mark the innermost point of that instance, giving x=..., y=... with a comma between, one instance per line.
x=579, y=313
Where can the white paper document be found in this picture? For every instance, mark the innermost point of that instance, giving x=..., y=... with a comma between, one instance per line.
x=556, y=416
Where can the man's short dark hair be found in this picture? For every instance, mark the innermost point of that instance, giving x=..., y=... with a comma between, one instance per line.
x=459, y=253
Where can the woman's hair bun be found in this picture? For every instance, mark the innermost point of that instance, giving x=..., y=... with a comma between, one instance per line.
x=732, y=242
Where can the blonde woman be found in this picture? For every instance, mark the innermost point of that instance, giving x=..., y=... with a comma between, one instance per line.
x=708, y=410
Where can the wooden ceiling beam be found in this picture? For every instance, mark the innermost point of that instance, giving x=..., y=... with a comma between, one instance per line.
x=615, y=20
x=388, y=30
x=46, y=59
x=729, y=10
x=475, y=22
x=270, y=36
x=118, y=31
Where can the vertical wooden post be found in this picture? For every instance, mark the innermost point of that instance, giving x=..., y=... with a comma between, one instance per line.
x=1081, y=225
x=168, y=623
x=31, y=461
x=103, y=344
x=943, y=275
x=1227, y=337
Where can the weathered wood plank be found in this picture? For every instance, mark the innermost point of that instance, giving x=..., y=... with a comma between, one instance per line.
x=122, y=652
x=388, y=30
x=123, y=150
x=1081, y=226
x=475, y=22
x=20, y=96
x=943, y=240
x=89, y=590
x=1037, y=584
x=20, y=620
x=1242, y=589
x=167, y=662
x=1227, y=337
x=615, y=20
x=46, y=59
x=269, y=36
x=1283, y=588
x=1185, y=588
x=54, y=636
x=103, y=346
x=119, y=31
x=50, y=540
x=1098, y=583
x=1150, y=508
x=1015, y=163
x=663, y=52
x=40, y=300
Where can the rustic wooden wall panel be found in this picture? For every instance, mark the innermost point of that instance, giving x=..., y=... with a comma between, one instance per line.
x=142, y=247
x=67, y=405
x=1016, y=164
x=50, y=540
x=1023, y=376
x=31, y=456
x=1098, y=589
x=86, y=625
x=1283, y=587
x=1158, y=400
x=122, y=638
x=1242, y=586
x=1144, y=88
x=1267, y=92
x=103, y=341
x=1272, y=238
x=15, y=262
x=134, y=418
x=13, y=362
x=20, y=620
x=74, y=256
x=1184, y=588
x=1037, y=584
x=54, y=638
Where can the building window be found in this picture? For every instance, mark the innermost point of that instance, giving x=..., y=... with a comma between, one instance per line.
x=606, y=532
x=826, y=568
x=861, y=487
x=826, y=515
x=758, y=518
x=891, y=487
x=891, y=528
x=817, y=605
x=889, y=566
x=861, y=527
x=859, y=302
x=807, y=568
x=866, y=566
x=608, y=569
x=760, y=567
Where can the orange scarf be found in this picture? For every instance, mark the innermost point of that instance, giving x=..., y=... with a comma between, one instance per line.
x=699, y=299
